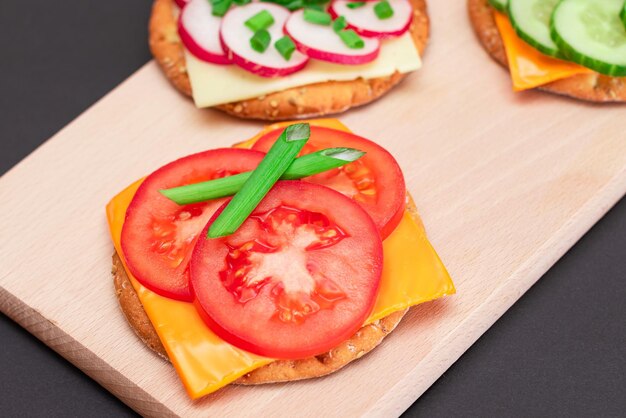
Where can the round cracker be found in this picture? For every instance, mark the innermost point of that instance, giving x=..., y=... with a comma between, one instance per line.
x=591, y=87
x=300, y=102
x=365, y=340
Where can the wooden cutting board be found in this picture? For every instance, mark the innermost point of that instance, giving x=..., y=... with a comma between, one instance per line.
x=505, y=183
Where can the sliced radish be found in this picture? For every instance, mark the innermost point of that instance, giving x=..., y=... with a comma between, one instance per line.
x=365, y=22
x=235, y=36
x=181, y=3
x=322, y=43
x=199, y=31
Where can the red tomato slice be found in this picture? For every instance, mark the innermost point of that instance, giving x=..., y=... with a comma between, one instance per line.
x=375, y=181
x=158, y=235
x=298, y=278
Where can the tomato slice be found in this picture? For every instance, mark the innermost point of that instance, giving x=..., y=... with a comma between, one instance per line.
x=375, y=181
x=298, y=278
x=158, y=235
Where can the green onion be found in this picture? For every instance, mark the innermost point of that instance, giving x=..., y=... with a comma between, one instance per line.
x=351, y=39
x=260, y=40
x=305, y=166
x=317, y=17
x=261, y=20
x=383, y=10
x=220, y=7
x=298, y=4
x=340, y=24
x=270, y=169
x=310, y=2
x=285, y=47
x=318, y=7
x=355, y=5
x=294, y=5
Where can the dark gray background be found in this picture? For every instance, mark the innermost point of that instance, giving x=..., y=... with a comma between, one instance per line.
x=558, y=352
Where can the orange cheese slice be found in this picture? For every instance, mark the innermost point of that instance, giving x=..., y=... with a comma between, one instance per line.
x=530, y=68
x=412, y=274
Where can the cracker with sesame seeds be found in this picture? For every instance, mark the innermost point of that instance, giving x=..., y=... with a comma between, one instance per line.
x=300, y=102
x=364, y=341
x=591, y=87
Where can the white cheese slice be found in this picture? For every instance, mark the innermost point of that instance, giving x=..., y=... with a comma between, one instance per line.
x=218, y=84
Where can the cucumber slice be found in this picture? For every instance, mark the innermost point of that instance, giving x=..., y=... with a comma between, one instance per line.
x=531, y=21
x=591, y=33
x=500, y=5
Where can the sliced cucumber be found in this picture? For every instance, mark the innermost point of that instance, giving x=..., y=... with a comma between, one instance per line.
x=591, y=33
x=531, y=20
x=500, y=5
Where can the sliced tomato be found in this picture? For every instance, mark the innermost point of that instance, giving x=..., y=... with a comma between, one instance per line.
x=158, y=235
x=298, y=278
x=375, y=181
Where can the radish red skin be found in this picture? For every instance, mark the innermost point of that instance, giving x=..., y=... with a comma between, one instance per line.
x=260, y=70
x=197, y=51
x=198, y=30
x=372, y=33
x=336, y=58
x=355, y=57
x=283, y=67
x=181, y=3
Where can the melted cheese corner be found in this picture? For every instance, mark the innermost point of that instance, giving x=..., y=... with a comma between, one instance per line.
x=213, y=84
x=412, y=274
x=530, y=68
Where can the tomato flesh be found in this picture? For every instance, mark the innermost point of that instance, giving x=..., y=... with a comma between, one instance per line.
x=375, y=180
x=158, y=235
x=298, y=278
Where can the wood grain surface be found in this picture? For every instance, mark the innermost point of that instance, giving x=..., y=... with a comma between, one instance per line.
x=505, y=183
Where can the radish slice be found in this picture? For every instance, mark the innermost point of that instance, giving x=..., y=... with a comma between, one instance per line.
x=322, y=43
x=365, y=22
x=181, y=3
x=199, y=31
x=236, y=41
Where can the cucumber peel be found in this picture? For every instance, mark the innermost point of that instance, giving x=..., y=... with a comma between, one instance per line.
x=500, y=5
x=623, y=14
x=592, y=34
x=531, y=21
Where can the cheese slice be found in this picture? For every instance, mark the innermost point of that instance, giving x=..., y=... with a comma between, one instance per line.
x=412, y=274
x=530, y=68
x=213, y=84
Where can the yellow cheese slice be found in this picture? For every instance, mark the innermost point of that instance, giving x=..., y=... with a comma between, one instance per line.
x=530, y=68
x=412, y=274
x=218, y=84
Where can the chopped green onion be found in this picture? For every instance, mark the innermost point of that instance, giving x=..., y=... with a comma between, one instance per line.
x=297, y=4
x=351, y=39
x=220, y=7
x=317, y=17
x=305, y=166
x=285, y=47
x=318, y=7
x=241, y=2
x=383, y=10
x=260, y=40
x=339, y=24
x=321, y=161
x=355, y=4
x=261, y=20
x=270, y=169
x=294, y=5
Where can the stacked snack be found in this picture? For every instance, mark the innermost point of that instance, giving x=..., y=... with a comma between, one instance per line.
x=311, y=263
x=571, y=47
x=282, y=59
